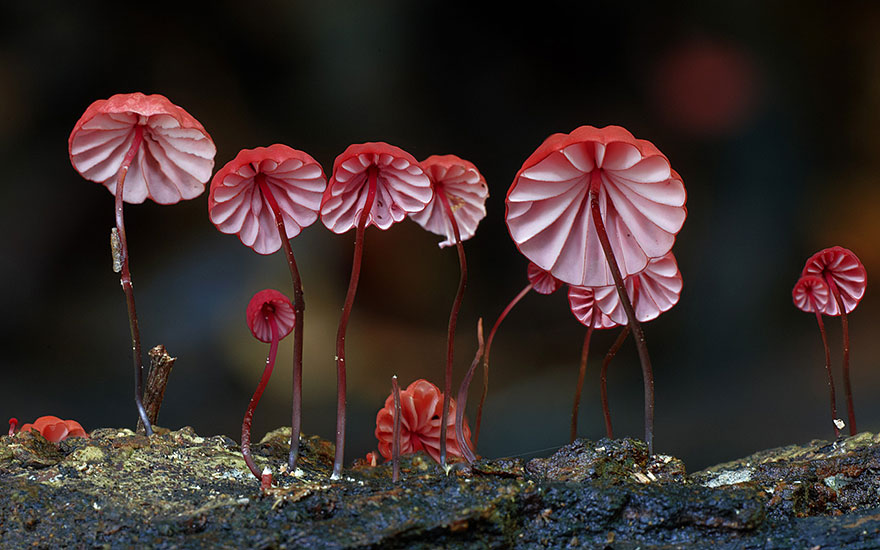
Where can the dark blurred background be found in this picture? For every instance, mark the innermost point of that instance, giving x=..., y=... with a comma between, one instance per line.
x=769, y=113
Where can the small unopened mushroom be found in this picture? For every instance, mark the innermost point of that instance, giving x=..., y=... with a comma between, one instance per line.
x=811, y=294
x=372, y=184
x=13, y=422
x=140, y=147
x=53, y=428
x=846, y=278
x=270, y=317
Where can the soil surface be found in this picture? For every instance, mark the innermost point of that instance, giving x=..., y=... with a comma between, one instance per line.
x=119, y=489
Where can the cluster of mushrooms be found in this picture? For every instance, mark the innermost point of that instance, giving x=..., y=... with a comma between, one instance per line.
x=596, y=209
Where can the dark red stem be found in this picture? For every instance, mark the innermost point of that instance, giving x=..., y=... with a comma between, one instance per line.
x=603, y=379
x=125, y=279
x=827, y=368
x=372, y=173
x=249, y=414
x=844, y=324
x=634, y=325
x=492, y=332
x=453, y=319
x=582, y=371
x=460, y=405
x=299, y=307
x=395, y=441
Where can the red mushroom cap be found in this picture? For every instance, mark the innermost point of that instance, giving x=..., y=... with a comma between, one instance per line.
x=237, y=206
x=267, y=308
x=402, y=187
x=542, y=281
x=811, y=293
x=174, y=161
x=421, y=406
x=641, y=199
x=659, y=288
x=54, y=429
x=465, y=190
x=842, y=268
x=582, y=300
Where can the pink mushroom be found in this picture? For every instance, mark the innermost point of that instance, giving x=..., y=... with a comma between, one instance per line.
x=457, y=206
x=140, y=147
x=811, y=294
x=271, y=317
x=846, y=278
x=267, y=196
x=592, y=207
x=372, y=184
x=53, y=428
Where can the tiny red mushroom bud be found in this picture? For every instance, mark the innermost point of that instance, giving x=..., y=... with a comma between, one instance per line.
x=372, y=184
x=270, y=317
x=266, y=479
x=140, y=147
x=13, y=422
x=846, y=278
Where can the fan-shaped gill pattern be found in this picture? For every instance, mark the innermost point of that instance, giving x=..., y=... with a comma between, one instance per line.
x=652, y=291
x=542, y=281
x=641, y=200
x=840, y=267
x=811, y=293
x=267, y=308
x=583, y=305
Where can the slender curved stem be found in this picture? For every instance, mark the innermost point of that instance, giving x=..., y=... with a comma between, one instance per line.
x=299, y=307
x=395, y=441
x=635, y=326
x=372, y=174
x=125, y=279
x=492, y=332
x=249, y=414
x=461, y=403
x=603, y=379
x=582, y=371
x=844, y=324
x=827, y=368
x=453, y=319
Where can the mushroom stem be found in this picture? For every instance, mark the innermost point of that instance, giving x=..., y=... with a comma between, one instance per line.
x=844, y=324
x=249, y=414
x=125, y=278
x=582, y=370
x=827, y=369
x=492, y=332
x=395, y=441
x=453, y=319
x=603, y=379
x=299, y=307
x=460, y=405
x=635, y=326
x=372, y=173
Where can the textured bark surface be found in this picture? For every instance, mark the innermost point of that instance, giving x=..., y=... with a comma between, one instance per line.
x=179, y=490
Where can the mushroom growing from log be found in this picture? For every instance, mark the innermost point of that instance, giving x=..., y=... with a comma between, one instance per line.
x=458, y=205
x=267, y=196
x=592, y=207
x=140, y=147
x=372, y=184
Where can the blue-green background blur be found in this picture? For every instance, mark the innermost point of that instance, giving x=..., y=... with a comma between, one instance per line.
x=768, y=110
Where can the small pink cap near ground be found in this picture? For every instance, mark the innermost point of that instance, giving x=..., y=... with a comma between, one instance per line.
x=811, y=293
x=267, y=308
x=840, y=267
x=237, y=206
x=641, y=200
x=402, y=187
x=542, y=281
x=54, y=429
x=465, y=190
x=174, y=161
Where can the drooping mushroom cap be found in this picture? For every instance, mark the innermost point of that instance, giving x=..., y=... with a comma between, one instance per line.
x=542, y=281
x=402, y=187
x=54, y=429
x=465, y=190
x=652, y=291
x=270, y=308
x=841, y=268
x=421, y=407
x=641, y=199
x=174, y=161
x=582, y=300
x=810, y=294
x=236, y=204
